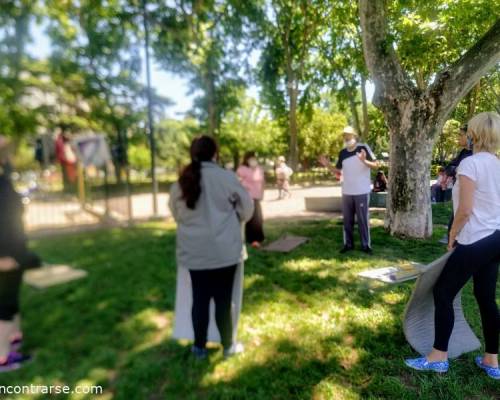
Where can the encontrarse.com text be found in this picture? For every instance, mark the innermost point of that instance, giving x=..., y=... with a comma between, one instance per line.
x=52, y=389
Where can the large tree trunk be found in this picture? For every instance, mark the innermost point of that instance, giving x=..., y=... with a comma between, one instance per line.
x=408, y=203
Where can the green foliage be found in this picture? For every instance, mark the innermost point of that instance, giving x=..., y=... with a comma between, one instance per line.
x=249, y=128
x=139, y=157
x=173, y=140
x=447, y=144
x=321, y=135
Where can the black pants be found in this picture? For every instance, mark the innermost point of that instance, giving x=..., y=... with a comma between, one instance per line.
x=10, y=284
x=254, y=231
x=216, y=284
x=480, y=261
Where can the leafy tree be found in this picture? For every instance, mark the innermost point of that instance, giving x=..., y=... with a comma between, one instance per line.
x=417, y=98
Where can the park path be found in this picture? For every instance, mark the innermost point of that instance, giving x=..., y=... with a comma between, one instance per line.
x=68, y=214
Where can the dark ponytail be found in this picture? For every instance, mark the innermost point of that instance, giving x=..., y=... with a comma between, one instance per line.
x=203, y=148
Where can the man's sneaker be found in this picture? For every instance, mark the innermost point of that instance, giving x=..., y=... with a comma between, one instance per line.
x=236, y=348
x=492, y=372
x=421, y=364
x=199, y=353
x=345, y=249
x=367, y=250
x=14, y=361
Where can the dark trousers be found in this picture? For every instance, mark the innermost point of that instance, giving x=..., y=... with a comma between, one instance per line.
x=10, y=284
x=480, y=261
x=216, y=284
x=356, y=205
x=254, y=231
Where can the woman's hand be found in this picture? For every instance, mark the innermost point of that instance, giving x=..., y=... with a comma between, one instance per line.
x=451, y=242
x=7, y=264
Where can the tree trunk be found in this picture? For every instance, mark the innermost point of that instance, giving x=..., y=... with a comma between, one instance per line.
x=408, y=202
x=211, y=106
x=366, y=119
x=294, y=148
x=354, y=112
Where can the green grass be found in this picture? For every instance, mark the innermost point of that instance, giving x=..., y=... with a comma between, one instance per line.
x=311, y=329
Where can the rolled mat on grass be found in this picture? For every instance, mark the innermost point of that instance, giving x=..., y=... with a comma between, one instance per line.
x=418, y=323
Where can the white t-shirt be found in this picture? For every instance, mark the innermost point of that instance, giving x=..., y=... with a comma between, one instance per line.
x=355, y=174
x=484, y=169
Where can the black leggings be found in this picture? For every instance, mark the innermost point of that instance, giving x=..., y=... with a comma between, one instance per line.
x=254, y=228
x=216, y=284
x=10, y=284
x=480, y=261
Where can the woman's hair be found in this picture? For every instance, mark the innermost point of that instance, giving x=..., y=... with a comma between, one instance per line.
x=248, y=155
x=484, y=130
x=203, y=148
x=463, y=128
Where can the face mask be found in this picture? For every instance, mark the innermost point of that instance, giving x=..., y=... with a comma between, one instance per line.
x=252, y=163
x=349, y=143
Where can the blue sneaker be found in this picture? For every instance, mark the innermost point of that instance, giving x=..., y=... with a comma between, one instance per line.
x=421, y=364
x=492, y=372
x=199, y=353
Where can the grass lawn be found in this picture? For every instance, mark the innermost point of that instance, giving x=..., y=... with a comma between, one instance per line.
x=311, y=329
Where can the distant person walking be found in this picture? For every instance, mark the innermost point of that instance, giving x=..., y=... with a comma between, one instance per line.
x=354, y=162
x=252, y=178
x=475, y=241
x=67, y=158
x=283, y=174
x=14, y=258
x=209, y=205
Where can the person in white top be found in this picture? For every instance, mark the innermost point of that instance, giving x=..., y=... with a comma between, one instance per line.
x=475, y=241
x=283, y=174
x=355, y=162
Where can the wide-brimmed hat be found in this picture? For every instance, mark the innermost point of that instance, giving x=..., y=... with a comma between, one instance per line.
x=349, y=130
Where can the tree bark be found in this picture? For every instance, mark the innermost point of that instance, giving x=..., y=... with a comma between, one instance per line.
x=366, y=119
x=211, y=107
x=292, y=119
x=415, y=116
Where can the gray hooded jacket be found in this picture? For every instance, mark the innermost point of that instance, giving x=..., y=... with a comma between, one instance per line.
x=210, y=236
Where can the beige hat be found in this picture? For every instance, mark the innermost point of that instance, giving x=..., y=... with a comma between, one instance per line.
x=349, y=130
x=281, y=159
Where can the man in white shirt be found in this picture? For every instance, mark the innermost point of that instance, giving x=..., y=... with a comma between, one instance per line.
x=355, y=161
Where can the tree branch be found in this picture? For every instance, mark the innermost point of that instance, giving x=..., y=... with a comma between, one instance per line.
x=381, y=59
x=452, y=84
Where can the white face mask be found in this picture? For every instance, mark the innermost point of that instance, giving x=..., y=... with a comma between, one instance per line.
x=349, y=143
x=253, y=163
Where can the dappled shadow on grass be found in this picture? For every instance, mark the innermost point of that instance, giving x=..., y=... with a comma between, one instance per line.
x=81, y=330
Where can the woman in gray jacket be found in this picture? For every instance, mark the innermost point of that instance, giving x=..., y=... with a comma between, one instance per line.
x=209, y=205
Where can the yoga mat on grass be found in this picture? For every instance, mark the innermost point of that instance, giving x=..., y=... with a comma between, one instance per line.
x=286, y=244
x=52, y=275
x=418, y=321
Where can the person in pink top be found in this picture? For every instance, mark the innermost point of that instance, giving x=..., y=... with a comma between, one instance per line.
x=252, y=178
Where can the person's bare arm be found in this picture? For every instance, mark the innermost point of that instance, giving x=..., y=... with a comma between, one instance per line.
x=325, y=162
x=464, y=210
